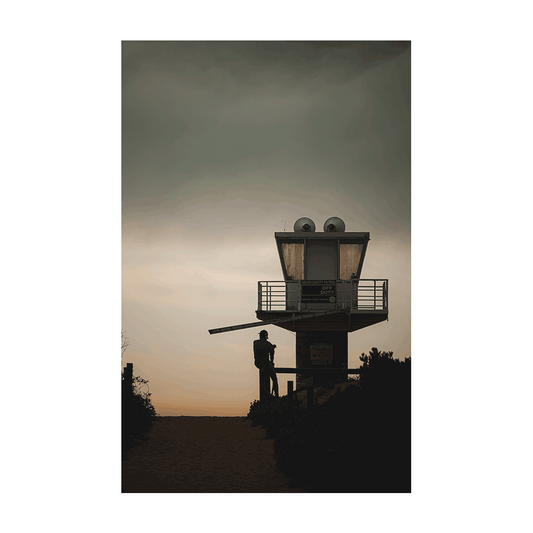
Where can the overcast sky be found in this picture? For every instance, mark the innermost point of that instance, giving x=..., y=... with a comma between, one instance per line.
x=225, y=143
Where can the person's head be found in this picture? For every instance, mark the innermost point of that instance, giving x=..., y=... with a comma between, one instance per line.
x=263, y=334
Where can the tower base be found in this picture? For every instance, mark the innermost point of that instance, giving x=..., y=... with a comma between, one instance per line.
x=318, y=349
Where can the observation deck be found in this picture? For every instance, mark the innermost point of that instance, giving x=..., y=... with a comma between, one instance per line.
x=350, y=304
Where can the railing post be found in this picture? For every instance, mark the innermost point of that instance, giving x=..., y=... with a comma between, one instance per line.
x=290, y=390
x=128, y=378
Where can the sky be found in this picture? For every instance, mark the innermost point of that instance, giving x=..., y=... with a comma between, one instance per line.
x=226, y=143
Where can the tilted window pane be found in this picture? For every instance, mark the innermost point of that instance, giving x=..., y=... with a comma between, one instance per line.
x=350, y=257
x=293, y=256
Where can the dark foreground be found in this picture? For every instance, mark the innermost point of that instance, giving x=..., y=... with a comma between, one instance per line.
x=203, y=454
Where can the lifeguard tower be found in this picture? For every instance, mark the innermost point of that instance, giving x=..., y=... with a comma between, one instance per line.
x=322, y=297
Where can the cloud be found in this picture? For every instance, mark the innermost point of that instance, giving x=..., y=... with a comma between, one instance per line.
x=225, y=144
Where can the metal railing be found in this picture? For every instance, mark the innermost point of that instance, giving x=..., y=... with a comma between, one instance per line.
x=272, y=296
x=372, y=294
x=360, y=294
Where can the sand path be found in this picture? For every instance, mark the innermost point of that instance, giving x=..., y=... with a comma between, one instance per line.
x=203, y=454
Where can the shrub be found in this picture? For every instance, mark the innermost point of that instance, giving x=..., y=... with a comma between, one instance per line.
x=138, y=412
x=357, y=441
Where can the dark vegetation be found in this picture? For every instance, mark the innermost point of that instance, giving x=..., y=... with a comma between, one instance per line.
x=359, y=440
x=138, y=413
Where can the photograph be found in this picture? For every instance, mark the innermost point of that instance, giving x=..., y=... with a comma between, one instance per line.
x=266, y=266
x=278, y=219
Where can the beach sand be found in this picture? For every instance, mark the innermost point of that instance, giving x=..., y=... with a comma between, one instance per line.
x=203, y=454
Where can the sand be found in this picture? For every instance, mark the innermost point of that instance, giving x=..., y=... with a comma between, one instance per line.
x=204, y=454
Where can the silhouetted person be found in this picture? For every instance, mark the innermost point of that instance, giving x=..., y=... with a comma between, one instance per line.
x=264, y=359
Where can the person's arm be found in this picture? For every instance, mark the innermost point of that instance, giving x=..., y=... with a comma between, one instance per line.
x=272, y=348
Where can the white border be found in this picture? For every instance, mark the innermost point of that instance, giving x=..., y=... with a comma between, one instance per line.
x=113, y=31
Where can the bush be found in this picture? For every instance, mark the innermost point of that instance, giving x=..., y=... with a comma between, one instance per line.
x=138, y=412
x=358, y=441
x=272, y=414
